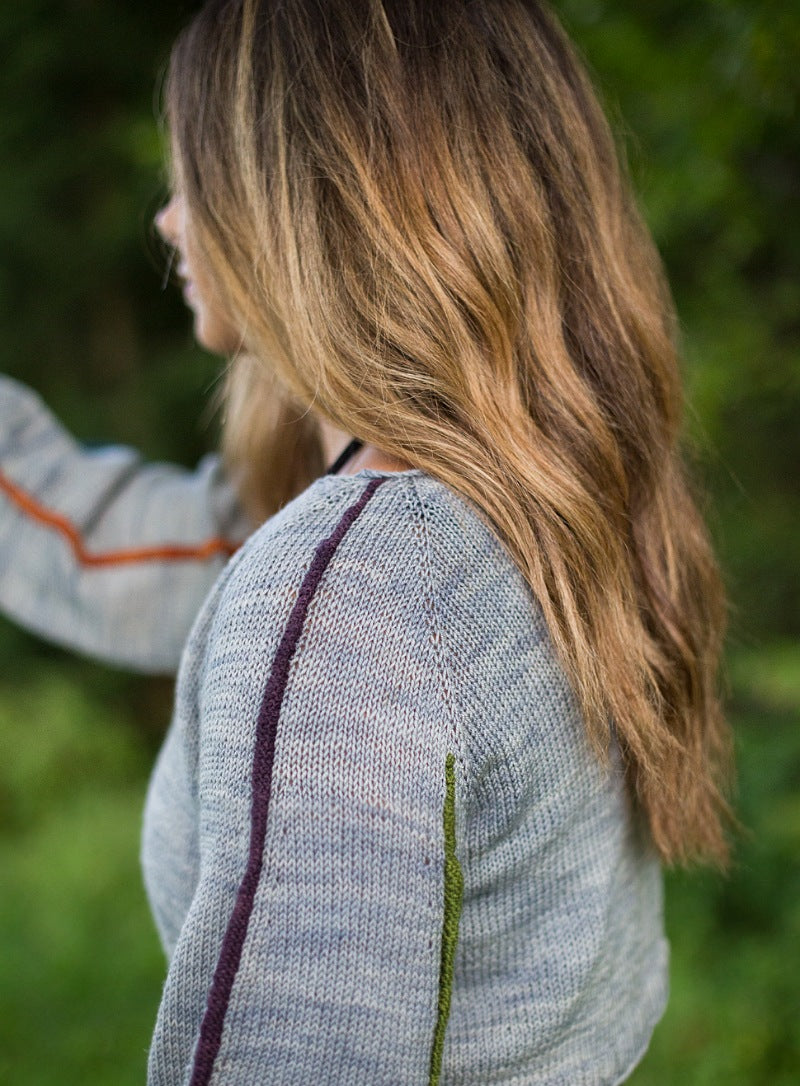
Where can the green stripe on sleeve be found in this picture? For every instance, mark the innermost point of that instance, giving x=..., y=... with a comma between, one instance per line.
x=453, y=892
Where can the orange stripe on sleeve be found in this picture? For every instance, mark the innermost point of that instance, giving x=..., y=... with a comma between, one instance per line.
x=210, y=548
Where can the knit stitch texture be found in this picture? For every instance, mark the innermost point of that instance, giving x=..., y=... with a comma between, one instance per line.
x=378, y=846
x=101, y=551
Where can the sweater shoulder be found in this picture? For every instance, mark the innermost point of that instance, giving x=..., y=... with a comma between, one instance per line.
x=357, y=566
x=406, y=527
x=416, y=585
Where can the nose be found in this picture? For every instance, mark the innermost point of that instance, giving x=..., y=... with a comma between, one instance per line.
x=167, y=221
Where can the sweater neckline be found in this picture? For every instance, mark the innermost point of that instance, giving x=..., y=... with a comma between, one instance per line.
x=376, y=473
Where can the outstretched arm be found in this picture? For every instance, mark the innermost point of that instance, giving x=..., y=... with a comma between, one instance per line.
x=99, y=551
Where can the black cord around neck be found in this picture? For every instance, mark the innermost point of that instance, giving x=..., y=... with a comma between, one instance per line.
x=350, y=450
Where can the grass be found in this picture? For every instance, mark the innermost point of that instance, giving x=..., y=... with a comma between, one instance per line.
x=733, y=1014
x=81, y=965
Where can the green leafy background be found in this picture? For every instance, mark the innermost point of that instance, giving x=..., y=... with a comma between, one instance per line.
x=704, y=97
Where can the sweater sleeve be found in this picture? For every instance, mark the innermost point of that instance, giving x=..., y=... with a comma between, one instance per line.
x=325, y=774
x=99, y=551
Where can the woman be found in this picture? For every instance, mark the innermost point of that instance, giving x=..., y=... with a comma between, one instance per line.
x=442, y=717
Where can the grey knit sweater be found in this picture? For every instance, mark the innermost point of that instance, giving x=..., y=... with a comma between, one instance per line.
x=377, y=845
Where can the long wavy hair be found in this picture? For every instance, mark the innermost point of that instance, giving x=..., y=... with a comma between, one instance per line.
x=416, y=213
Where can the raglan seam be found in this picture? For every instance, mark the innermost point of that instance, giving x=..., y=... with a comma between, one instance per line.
x=453, y=882
x=439, y=647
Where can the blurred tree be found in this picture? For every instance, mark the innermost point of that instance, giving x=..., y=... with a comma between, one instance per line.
x=82, y=316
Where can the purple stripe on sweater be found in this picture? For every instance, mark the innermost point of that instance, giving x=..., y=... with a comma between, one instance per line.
x=266, y=730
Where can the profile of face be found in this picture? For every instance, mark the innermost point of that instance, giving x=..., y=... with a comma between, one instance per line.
x=212, y=326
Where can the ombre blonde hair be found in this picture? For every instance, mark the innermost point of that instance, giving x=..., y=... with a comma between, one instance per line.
x=416, y=213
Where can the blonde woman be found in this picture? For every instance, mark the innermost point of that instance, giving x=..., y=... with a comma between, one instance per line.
x=445, y=714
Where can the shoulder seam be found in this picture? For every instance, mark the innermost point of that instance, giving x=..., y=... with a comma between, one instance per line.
x=439, y=648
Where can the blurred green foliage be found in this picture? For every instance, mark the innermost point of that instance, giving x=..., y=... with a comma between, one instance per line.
x=705, y=100
x=83, y=317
